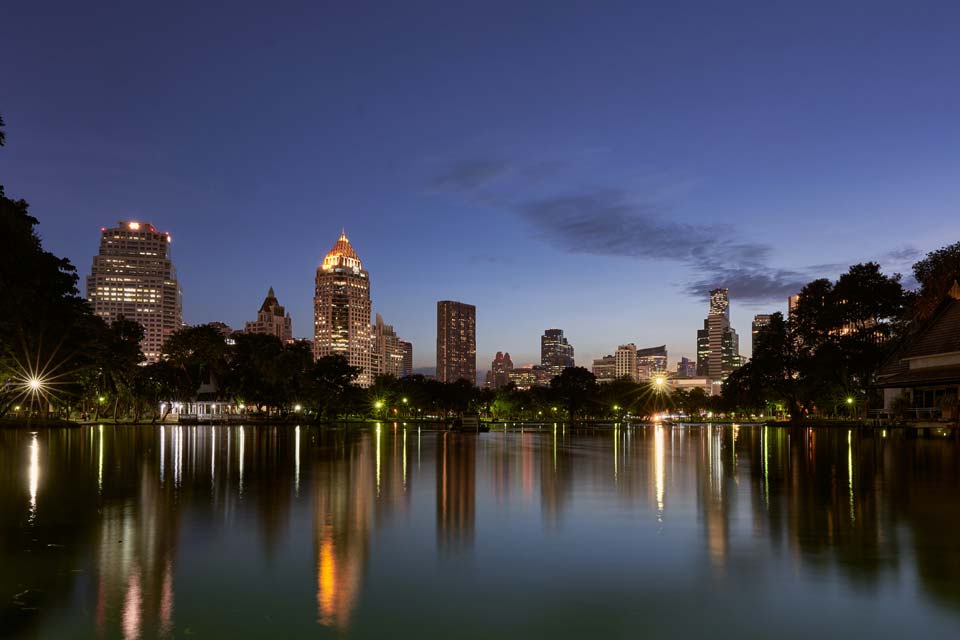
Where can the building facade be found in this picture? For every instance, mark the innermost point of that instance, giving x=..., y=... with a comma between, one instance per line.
x=133, y=276
x=456, y=341
x=555, y=351
x=388, y=349
x=272, y=320
x=605, y=369
x=686, y=368
x=651, y=362
x=341, y=311
x=407, y=368
x=626, y=361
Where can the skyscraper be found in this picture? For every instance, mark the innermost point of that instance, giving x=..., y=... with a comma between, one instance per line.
x=407, y=368
x=272, y=319
x=133, y=276
x=389, y=351
x=760, y=322
x=341, y=310
x=718, y=346
x=555, y=352
x=456, y=341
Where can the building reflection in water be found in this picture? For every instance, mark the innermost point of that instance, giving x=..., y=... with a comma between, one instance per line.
x=344, y=501
x=456, y=490
x=856, y=506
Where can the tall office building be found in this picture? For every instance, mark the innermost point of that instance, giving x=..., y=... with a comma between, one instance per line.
x=555, y=351
x=718, y=345
x=626, y=361
x=341, y=311
x=760, y=322
x=272, y=319
x=133, y=276
x=407, y=368
x=456, y=341
x=388, y=349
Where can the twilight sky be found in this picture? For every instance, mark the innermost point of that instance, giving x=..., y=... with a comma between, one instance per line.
x=594, y=166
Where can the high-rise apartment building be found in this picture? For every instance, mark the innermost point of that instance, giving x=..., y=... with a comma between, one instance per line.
x=388, y=348
x=133, y=276
x=718, y=345
x=555, y=351
x=760, y=322
x=407, y=368
x=456, y=341
x=341, y=311
x=626, y=361
x=272, y=319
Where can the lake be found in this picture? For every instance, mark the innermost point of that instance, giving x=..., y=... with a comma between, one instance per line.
x=388, y=531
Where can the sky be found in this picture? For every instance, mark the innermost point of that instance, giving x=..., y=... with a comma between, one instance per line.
x=593, y=166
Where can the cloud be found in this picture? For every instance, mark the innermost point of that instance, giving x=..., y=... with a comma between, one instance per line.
x=614, y=222
x=470, y=174
x=607, y=222
x=751, y=284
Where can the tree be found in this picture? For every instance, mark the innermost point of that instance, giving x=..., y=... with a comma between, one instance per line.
x=202, y=352
x=575, y=388
x=935, y=273
x=330, y=386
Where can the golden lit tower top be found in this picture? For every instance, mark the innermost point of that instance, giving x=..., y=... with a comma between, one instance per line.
x=342, y=255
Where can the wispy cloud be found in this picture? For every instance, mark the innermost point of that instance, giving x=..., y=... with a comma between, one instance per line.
x=615, y=222
x=470, y=174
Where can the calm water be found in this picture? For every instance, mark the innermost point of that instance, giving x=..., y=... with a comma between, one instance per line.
x=645, y=531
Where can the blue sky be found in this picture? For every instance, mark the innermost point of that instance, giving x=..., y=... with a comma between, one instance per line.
x=591, y=166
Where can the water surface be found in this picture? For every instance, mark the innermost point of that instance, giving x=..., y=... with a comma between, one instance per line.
x=649, y=531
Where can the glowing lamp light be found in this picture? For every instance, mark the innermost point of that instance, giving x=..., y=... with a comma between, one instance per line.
x=659, y=381
x=134, y=225
x=242, y=407
x=849, y=400
x=378, y=404
x=404, y=401
x=297, y=408
x=35, y=384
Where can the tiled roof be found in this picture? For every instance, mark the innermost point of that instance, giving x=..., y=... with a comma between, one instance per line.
x=940, y=334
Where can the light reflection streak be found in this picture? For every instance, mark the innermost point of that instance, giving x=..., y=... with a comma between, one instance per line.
x=296, y=467
x=213, y=455
x=132, y=602
x=616, y=446
x=378, y=459
x=34, y=474
x=162, y=446
x=404, y=458
x=242, y=438
x=658, y=460
x=853, y=516
x=100, y=460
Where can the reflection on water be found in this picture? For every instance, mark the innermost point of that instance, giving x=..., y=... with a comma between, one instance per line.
x=241, y=531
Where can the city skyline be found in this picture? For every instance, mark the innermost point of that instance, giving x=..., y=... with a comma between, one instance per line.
x=681, y=175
